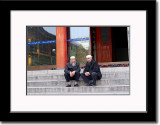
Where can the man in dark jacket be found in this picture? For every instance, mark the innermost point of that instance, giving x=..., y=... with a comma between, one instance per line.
x=72, y=72
x=92, y=72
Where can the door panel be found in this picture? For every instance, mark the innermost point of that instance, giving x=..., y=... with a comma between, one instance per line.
x=104, y=44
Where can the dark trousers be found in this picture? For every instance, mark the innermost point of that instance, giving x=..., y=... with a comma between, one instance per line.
x=75, y=77
x=92, y=76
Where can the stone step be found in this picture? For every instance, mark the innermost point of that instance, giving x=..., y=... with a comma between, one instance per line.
x=52, y=83
x=61, y=76
x=61, y=71
x=78, y=90
x=71, y=93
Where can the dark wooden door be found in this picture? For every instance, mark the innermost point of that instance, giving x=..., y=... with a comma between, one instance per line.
x=104, y=44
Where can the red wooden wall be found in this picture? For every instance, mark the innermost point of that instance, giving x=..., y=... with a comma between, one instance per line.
x=104, y=48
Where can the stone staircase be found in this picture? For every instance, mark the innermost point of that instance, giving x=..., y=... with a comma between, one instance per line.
x=114, y=81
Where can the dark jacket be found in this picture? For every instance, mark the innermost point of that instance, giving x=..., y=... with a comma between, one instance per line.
x=93, y=67
x=69, y=68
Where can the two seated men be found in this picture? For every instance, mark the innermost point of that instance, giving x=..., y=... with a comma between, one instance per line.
x=90, y=74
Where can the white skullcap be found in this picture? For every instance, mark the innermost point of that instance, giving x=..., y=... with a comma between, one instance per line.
x=72, y=57
x=88, y=56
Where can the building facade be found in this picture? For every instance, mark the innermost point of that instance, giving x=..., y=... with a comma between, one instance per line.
x=51, y=47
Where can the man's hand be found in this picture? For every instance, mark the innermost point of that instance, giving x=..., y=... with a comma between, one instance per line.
x=72, y=73
x=87, y=73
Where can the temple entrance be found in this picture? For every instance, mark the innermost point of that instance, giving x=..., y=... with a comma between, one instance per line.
x=120, y=43
x=109, y=44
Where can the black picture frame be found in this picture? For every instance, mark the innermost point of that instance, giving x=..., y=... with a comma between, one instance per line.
x=148, y=5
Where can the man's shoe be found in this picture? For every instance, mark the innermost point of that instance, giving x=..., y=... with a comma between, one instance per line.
x=93, y=84
x=76, y=85
x=87, y=84
x=90, y=83
x=68, y=85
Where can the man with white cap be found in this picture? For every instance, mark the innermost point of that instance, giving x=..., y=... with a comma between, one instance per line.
x=72, y=72
x=91, y=72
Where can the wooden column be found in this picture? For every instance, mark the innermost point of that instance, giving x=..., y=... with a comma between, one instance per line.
x=61, y=47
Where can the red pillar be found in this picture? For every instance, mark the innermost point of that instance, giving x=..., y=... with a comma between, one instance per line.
x=61, y=47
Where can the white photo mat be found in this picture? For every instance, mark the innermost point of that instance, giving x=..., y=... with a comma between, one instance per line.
x=135, y=102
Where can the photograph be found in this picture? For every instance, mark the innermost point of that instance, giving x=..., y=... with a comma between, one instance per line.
x=80, y=61
x=77, y=60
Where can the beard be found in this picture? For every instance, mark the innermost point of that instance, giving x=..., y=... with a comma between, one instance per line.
x=73, y=64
